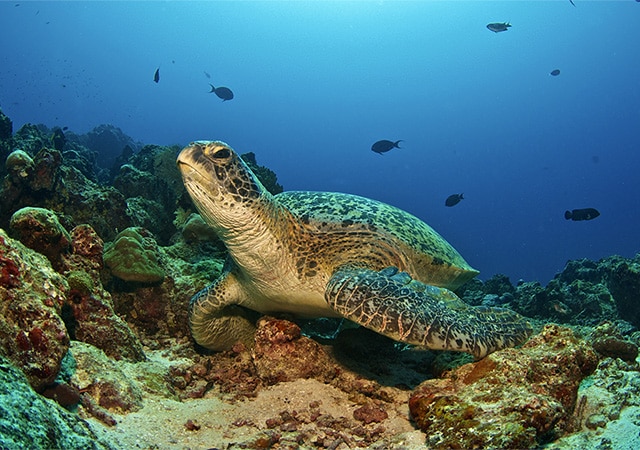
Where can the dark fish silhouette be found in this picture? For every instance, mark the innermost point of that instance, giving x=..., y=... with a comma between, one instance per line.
x=571, y=1
x=555, y=72
x=383, y=146
x=582, y=214
x=497, y=27
x=156, y=76
x=206, y=74
x=222, y=92
x=453, y=200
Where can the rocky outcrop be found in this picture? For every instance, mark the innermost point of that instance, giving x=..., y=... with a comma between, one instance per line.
x=513, y=398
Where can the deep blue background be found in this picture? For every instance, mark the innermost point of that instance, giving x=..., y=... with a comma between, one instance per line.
x=317, y=83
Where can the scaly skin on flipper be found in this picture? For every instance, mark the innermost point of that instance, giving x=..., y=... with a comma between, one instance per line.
x=325, y=254
x=391, y=303
x=215, y=319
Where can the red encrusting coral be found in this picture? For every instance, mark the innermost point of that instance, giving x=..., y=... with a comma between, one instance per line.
x=9, y=271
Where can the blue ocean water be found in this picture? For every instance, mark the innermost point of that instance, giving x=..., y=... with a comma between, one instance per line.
x=317, y=83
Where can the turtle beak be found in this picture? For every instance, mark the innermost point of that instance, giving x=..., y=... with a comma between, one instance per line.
x=189, y=155
x=196, y=169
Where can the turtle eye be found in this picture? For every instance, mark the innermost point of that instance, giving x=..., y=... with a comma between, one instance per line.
x=221, y=153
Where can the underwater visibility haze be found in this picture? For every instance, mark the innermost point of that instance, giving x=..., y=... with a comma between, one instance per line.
x=129, y=321
x=528, y=122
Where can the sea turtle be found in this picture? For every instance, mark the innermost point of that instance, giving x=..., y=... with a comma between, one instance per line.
x=323, y=254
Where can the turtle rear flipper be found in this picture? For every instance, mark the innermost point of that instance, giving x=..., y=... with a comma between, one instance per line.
x=393, y=304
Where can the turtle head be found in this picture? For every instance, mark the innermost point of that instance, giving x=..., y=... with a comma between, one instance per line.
x=222, y=186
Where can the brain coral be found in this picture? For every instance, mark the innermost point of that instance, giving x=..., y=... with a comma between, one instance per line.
x=133, y=256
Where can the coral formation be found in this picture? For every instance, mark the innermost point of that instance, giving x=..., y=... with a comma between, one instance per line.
x=510, y=399
x=584, y=293
x=281, y=353
x=107, y=141
x=19, y=165
x=100, y=378
x=31, y=421
x=607, y=340
x=77, y=201
x=32, y=334
x=6, y=127
x=40, y=230
x=105, y=310
x=133, y=256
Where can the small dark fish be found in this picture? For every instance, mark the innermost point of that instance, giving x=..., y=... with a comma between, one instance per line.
x=497, y=27
x=571, y=1
x=453, y=200
x=156, y=76
x=206, y=74
x=222, y=92
x=383, y=146
x=555, y=72
x=582, y=214
x=65, y=128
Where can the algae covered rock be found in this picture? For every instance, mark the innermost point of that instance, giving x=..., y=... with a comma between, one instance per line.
x=622, y=277
x=161, y=309
x=100, y=378
x=133, y=256
x=32, y=334
x=281, y=353
x=46, y=173
x=6, y=127
x=513, y=398
x=40, y=230
x=607, y=340
x=89, y=314
x=19, y=166
x=28, y=420
x=94, y=321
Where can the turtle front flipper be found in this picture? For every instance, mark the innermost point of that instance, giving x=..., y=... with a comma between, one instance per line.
x=216, y=319
x=393, y=304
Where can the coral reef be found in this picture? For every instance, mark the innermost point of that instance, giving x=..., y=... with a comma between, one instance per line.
x=281, y=353
x=32, y=334
x=107, y=142
x=40, y=230
x=76, y=313
x=133, y=256
x=510, y=399
x=19, y=166
x=585, y=293
x=607, y=409
x=98, y=377
x=607, y=340
x=31, y=421
x=77, y=200
x=6, y=127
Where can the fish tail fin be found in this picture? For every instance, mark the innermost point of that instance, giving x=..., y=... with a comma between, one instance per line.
x=396, y=143
x=213, y=89
x=462, y=196
x=567, y=215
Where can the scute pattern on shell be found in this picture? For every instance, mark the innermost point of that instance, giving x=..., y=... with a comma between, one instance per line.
x=368, y=233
